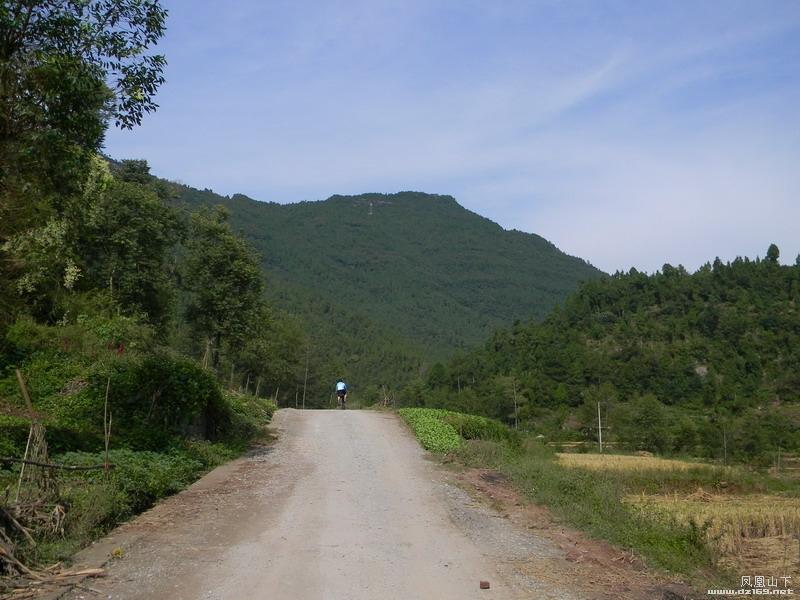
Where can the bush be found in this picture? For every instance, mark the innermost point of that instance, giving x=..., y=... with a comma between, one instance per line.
x=14, y=435
x=94, y=510
x=258, y=410
x=140, y=477
x=166, y=394
x=472, y=427
x=247, y=416
x=440, y=430
x=431, y=430
x=209, y=454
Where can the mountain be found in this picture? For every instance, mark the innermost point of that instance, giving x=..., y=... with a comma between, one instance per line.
x=399, y=280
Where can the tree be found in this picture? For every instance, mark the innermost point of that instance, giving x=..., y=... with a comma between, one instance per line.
x=223, y=279
x=113, y=238
x=52, y=52
x=773, y=253
x=126, y=234
x=507, y=390
x=651, y=429
x=66, y=68
x=273, y=352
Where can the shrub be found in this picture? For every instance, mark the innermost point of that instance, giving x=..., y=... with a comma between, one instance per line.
x=441, y=430
x=472, y=427
x=434, y=434
x=245, y=419
x=209, y=454
x=141, y=477
x=14, y=436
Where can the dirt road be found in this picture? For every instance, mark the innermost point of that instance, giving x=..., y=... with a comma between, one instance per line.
x=344, y=506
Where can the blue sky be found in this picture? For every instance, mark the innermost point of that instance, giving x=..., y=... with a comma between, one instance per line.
x=631, y=134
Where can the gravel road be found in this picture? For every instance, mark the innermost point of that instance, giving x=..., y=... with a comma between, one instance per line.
x=344, y=506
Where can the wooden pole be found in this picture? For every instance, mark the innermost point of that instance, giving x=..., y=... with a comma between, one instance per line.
x=30, y=433
x=305, y=381
x=25, y=393
x=107, y=421
x=599, y=428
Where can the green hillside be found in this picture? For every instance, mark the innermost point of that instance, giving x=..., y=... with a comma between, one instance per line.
x=399, y=280
x=705, y=363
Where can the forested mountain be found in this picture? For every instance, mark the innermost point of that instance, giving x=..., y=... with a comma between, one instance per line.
x=701, y=363
x=389, y=283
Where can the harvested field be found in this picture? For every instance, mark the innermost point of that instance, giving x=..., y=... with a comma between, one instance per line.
x=749, y=533
x=627, y=462
x=756, y=534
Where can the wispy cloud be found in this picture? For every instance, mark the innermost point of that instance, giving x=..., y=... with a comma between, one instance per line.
x=630, y=134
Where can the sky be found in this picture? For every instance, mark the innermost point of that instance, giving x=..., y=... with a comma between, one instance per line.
x=631, y=134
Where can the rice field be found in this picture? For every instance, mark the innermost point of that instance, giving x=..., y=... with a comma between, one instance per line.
x=627, y=462
x=750, y=533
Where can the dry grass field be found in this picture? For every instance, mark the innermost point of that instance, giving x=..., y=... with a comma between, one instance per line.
x=627, y=462
x=752, y=533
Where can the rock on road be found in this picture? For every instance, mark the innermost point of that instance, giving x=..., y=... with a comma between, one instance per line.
x=344, y=506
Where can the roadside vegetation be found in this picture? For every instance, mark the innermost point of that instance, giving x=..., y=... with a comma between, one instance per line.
x=704, y=523
x=443, y=431
x=136, y=342
x=59, y=500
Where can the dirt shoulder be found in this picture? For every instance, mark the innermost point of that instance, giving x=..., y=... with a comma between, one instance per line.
x=346, y=505
x=600, y=569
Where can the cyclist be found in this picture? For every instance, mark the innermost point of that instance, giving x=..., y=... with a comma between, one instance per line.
x=341, y=392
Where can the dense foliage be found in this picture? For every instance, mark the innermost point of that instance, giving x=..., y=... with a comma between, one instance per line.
x=704, y=363
x=66, y=514
x=443, y=431
x=66, y=68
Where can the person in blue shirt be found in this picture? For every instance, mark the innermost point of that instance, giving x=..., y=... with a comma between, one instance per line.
x=341, y=392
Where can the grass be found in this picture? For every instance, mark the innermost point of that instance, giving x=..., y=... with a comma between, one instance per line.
x=592, y=500
x=745, y=527
x=650, y=474
x=627, y=462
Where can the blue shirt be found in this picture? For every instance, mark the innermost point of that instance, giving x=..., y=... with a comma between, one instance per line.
x=341, y=386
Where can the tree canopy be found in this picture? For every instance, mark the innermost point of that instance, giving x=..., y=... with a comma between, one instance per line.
x=673, y=353
x=386, y=284
x=66, y=69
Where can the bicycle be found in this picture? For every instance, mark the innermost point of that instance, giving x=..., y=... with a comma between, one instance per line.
x=342, y=395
